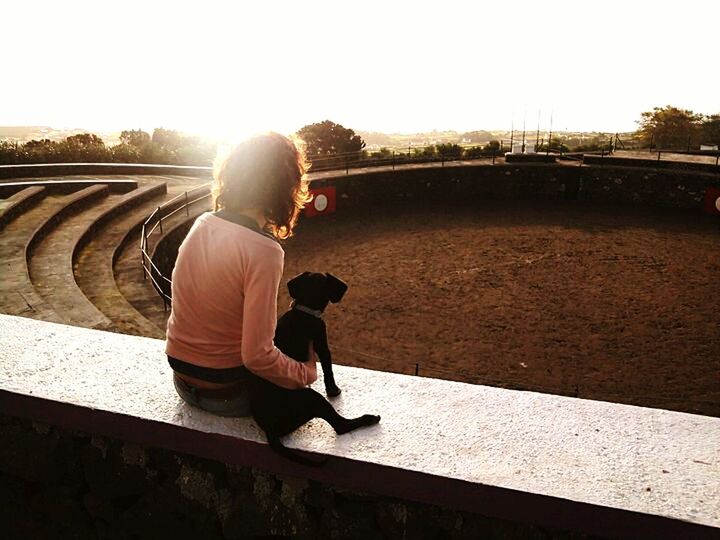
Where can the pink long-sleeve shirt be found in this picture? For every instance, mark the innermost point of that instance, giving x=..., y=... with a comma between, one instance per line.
x=224, y=303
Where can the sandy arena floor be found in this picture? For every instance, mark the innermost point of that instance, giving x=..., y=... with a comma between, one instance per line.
x=611, y=303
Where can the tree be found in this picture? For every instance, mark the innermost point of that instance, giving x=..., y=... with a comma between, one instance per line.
x=450, y=150
x=85, y=147
x=669, y=127
x=711, y=129
x=325, y=138
x=492, y=146
x=135, y=137
x=168, y=138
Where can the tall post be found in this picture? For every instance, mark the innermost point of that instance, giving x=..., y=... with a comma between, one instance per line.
x=160, y=219
x=523, y=139
x=187, y=206
x=547, y=150
x=688, y=142
x=393, y=161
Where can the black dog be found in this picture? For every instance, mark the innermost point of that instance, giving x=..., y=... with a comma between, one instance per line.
x=301, y=330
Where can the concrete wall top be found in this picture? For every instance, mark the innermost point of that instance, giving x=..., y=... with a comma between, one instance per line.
x=506, y=453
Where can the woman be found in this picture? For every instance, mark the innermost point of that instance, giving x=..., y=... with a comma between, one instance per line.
x=225, y=281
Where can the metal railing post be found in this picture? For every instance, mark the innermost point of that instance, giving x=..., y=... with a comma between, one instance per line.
x=187, y=207
x=142, y=253
x=347, y=165
x=393, y=161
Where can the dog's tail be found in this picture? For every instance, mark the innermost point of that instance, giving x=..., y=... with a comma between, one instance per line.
x=292, y=455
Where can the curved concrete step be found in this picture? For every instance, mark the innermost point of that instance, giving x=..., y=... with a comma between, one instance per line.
x=20, y=202
x=18, y=295
x=129, y=274
x=51, y=271
x=66, y=186
x=94, y=274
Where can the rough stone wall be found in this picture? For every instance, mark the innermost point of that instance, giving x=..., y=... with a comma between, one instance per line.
x=623, y=185
x=62, y=484
x=645, y=186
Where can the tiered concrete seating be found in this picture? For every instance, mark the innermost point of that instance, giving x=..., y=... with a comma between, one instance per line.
x=18, y=239
x=128, y=270
x=94, y=267
x=52, y=264
x=61, y=239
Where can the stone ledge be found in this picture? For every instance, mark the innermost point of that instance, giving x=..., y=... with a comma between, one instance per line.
x=25, y=170
x=573, y=464
x=65, y=187
x=650, y=163
x=20, y=202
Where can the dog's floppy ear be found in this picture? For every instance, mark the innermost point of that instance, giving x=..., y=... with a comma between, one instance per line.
x=297, y=286
x=335, y=287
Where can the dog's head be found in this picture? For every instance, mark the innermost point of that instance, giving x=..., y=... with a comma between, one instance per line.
x=315, y=290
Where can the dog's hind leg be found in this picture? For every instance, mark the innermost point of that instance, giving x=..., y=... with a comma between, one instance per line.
x=314, y=404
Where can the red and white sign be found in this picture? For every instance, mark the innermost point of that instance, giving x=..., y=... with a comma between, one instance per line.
x=323, y=201
x=712, y=200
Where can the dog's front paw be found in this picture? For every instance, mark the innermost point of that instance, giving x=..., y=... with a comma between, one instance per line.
x=332, y=391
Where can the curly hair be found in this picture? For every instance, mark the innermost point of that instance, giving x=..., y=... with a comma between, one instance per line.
x=266, y=171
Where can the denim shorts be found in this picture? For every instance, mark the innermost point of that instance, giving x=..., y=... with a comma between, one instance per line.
x=238, y=405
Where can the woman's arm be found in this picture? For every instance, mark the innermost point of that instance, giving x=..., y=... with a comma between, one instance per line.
x=259, y=353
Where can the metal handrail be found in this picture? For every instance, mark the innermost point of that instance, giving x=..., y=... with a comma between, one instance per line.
x=150, y=269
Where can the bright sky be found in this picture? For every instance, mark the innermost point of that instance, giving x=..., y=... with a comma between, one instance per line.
x=229, y=68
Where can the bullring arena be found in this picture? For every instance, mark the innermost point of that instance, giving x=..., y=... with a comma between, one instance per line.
x=596, y=281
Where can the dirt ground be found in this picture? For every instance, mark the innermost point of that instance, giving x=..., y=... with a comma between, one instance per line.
x=611, y=303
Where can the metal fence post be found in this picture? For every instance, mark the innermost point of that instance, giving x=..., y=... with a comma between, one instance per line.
x=347, y=165
x=142, y=253
x=187, y=207
x=393, y=161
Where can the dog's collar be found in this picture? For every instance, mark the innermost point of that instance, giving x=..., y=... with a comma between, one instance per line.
x=314, y=312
